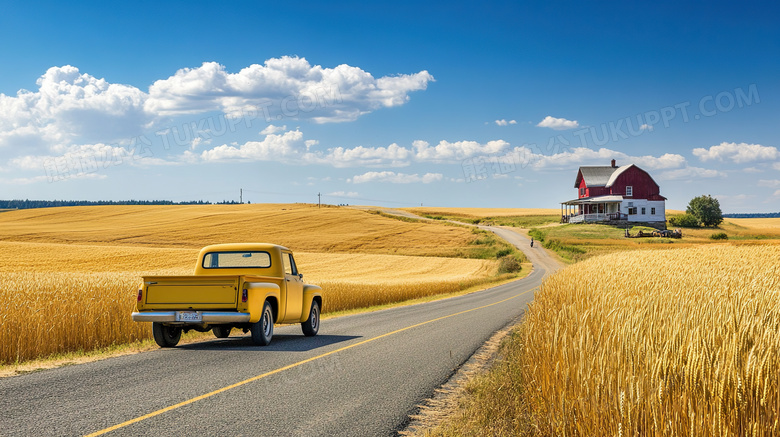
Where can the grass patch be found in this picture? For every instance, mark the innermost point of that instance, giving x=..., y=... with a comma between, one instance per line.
x=569, y=252
x=402, y=218
x=490, y=246
x=513, y=221
x=577, y=242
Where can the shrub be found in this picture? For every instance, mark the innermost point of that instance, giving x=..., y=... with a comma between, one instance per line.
x=685, y=221
x=719, y=236
x=508, y=264
x=504, y=252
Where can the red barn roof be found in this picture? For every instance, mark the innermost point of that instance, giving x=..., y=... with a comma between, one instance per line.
x=613, y=180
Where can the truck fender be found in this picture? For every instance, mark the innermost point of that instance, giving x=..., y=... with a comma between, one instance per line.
x=310, y=291
x=257, y=294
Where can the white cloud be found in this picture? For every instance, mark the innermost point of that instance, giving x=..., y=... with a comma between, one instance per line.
x=457, y=151
x=574, y=157
x=271, y=129
x=665, y=161
x=392, y=155
x=503, y=122
x=44, y=179
x=282, y=87
x=558, y=123
x=343, y=194
x=689, y=173
x=735, y=200
x=71, y=106
x=287, y=147
x=737, y=152
x=87, y=158
x=769, y=183
x=646, y=127
x=584, y=156
x=290, y=147
x=86, y=161
x=395, y=178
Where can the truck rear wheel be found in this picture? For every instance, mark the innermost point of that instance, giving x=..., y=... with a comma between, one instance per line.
x=222, y=331
x=166, y=336
x=263, y=330
x=312, y=324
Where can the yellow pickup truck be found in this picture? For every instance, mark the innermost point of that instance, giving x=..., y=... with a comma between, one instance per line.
x=248, y=286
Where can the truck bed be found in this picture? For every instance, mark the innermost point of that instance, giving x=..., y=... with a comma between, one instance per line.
x=195, y=291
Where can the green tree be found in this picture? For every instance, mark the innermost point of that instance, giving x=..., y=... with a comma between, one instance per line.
x=706, y=209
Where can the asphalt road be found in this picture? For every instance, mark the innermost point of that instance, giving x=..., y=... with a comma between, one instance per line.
x=361, y=376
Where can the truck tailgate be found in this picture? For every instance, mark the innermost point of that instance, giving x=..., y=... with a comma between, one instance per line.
x=191, y=291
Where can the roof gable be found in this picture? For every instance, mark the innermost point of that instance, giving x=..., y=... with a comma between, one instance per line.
x=618, y=171
x=613, y=179
x=595, y=176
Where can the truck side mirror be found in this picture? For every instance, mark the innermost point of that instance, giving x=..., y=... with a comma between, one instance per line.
x=300, y=275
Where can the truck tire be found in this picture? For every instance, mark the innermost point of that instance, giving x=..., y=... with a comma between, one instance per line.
x=263, y=330
x=166, y=336
x=312, y=324
x=222, y=331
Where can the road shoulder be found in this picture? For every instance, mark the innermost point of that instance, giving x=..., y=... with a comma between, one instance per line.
x=446, y=399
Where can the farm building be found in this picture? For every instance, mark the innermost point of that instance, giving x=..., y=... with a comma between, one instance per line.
x=612, y=193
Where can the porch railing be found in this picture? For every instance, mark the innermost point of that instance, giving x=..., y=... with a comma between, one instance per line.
x=579, y=218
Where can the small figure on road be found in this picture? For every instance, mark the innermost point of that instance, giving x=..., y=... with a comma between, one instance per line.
x=532, y=241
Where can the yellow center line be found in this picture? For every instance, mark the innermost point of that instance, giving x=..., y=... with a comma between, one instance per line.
x=287, y=367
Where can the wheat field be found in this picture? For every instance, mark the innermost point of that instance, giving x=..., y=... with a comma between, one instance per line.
x=69, y=276
x=664, y=343
x=301, y=227
x=45, y=311
x=483, y=212
x=769, y=226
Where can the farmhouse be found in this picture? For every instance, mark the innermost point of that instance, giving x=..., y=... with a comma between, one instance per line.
x=612, y=193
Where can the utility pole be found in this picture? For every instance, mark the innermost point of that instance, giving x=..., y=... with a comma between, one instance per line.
x=319, y=199
x=241, y=195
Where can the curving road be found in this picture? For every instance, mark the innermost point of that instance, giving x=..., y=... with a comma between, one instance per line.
x=363, y=375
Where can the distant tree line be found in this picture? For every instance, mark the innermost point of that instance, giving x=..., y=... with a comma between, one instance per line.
x=29, y=204
x=753, y=215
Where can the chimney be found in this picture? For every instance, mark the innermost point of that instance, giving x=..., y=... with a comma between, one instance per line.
x=613, y=164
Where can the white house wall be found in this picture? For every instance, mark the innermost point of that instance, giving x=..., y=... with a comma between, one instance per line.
x=648, y=205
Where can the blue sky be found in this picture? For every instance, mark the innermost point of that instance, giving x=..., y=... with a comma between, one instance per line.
x=397, y=104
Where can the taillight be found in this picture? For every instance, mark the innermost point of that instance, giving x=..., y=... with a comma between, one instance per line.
x=244, y=295
x=140, y=294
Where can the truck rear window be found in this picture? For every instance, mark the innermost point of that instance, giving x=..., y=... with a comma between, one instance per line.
x=230, y=260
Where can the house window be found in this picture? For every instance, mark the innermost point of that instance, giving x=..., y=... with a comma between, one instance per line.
x=643, y=211
x=582, y=192
x=629, y=190
x=652, y=211
x=632, y=210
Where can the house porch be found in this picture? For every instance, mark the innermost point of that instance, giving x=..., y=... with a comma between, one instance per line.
x=592, y=209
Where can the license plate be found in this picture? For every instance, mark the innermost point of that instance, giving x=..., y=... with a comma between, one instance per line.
x=189, y=316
